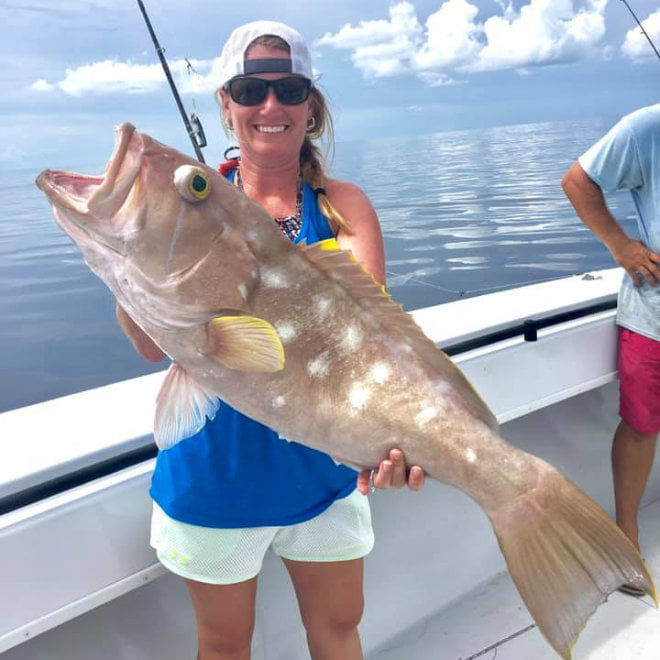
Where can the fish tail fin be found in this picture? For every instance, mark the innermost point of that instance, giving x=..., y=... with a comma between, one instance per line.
x=565, y=555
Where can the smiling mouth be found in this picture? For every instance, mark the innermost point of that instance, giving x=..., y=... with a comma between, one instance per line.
x=261, y=128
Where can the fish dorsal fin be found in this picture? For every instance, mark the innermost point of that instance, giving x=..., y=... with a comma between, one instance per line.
x=245, y=343
x=182, y=407
x=342, y=267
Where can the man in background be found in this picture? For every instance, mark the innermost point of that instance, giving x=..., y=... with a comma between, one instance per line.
x=628, y=158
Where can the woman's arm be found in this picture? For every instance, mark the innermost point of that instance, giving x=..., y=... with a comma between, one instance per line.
x=366, y=239
x=141, y=341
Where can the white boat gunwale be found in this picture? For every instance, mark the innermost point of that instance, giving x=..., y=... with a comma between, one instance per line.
x=25, y=485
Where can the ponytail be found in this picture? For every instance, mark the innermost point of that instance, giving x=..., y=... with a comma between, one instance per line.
x=311, y=159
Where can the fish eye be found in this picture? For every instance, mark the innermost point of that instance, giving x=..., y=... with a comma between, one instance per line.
x=192, y=183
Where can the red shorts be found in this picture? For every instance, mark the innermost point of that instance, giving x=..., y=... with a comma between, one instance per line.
x=639, y=381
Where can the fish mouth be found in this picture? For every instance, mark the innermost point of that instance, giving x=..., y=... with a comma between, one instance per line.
x=86, y=200
x=69, y=190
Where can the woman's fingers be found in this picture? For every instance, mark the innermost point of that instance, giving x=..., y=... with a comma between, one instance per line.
x=391, y=473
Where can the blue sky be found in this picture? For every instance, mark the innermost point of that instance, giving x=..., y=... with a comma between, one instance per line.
x=72, y=69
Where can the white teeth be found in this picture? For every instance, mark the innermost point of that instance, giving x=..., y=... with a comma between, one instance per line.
x=271, y=129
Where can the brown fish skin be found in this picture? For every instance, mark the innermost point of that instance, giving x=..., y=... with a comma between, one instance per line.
x=274, y=329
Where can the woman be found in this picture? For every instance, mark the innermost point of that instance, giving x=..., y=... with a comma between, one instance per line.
x=225, y=496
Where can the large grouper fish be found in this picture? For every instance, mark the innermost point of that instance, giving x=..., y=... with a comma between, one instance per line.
x=302, y=339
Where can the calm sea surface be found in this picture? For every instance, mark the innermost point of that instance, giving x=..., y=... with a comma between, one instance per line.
x=463, y=213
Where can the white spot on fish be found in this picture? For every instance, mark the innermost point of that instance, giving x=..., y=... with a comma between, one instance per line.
x=470, y=455
x=380, y=373
x=275, y=279
x=322, y=307
x=358, y=396
x=319, y=366
x=278, y=401
x=425, y=415
x=242, y=290
x=180, y=217
x=286, y=331
x=352, y=338
x=253, y=237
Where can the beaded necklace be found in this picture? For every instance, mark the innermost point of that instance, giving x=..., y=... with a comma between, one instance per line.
x=289, y=224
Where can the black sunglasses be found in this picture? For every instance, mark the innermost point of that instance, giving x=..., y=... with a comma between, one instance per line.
x=252, y=91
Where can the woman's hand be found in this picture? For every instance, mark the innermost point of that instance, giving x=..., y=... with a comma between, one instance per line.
x=391, y=473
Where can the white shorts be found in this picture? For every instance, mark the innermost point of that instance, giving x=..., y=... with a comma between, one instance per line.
x=227, y=556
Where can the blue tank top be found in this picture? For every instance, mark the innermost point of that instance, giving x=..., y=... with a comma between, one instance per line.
x=237, y=472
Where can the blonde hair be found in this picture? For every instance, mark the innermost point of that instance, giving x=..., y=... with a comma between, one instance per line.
x=312, y=157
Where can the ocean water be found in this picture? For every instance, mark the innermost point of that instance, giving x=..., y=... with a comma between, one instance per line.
x=463, y=213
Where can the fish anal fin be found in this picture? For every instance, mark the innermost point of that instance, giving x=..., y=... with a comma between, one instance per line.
x=244, y=343
x=342, y=267
x=565, y=555
x=182, y=408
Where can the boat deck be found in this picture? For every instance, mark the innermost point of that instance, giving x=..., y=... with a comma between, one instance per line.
x=492, y=623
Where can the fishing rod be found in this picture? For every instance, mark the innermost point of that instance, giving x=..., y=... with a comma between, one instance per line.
x=193, y=125
x=641, y=27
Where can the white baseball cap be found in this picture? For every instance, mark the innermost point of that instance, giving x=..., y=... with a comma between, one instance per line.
x=232, y=58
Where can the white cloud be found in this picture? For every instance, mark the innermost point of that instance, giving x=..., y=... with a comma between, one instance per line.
x=455, y=41
x=381, y=48
x=452, y=37
x=543, y=32
x=437, y=79
x=42, y=85
x=636, y=45
x=191, y=76
x=368, y=33
x=113, y=76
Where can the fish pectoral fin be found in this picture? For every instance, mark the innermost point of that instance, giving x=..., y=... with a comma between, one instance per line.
x=182, y=407
x=244, y=343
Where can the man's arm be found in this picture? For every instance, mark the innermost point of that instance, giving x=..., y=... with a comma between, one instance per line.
x=589, y=203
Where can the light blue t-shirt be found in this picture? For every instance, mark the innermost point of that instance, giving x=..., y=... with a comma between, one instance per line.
x=628, y=158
